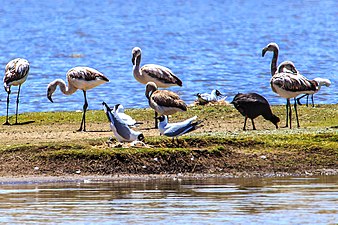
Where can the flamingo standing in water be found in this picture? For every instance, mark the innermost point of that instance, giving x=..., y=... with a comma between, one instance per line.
x=16, y=73
x=83, y=78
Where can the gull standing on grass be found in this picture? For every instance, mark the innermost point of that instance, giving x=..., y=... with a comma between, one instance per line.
x=83, y=78
x=16, y=73
x=212, y=97
x=119, y=109
x=164, y=102
x=177, y=129
x=120, y=129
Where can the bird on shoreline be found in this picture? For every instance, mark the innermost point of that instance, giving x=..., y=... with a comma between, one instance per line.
x=286, y=89
x=320, y=82
x=119, y=109
x=160, y=75
x=164, y=102
x=120, y=129
x=16, y=73
x=205, y=98
x=291, y=84
x=251, y=106
x=177, y=129
x=83, y=78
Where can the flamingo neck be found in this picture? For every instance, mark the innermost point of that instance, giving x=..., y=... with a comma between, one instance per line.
x=63, y=87
x=274, y=62
x=136, y=71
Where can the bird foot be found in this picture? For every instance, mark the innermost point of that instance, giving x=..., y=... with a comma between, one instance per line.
x=6, y=123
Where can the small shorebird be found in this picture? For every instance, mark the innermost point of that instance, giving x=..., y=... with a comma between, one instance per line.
x=206, y=97
x=160, y=75
x=119, y=109
x=252, y=105
x=320, y=82
x=291, y=84
x=120, y=129
x=163, y=102
x=16, y=73
x=83, y=78
x=177, y=129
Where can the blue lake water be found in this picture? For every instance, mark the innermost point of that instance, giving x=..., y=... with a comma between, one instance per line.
x=288, y=200
x=208, y=44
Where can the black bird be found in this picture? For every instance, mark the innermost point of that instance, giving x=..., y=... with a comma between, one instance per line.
x=252, y=105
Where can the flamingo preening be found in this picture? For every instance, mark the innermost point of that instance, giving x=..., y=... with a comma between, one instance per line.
x=163, y=102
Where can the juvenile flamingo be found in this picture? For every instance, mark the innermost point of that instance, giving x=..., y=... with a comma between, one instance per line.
x=160, y=75
x=16, y=73
x=163, y=102
x=83, y=78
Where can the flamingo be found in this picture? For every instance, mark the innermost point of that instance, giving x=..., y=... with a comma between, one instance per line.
x=16, y=73
x=291, y=84
x=273, y=47
x=160, y=75
x=163, y=102
x=83, y=78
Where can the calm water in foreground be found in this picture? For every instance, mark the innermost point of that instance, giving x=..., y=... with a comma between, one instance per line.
x=208, y=44
x=292, y=200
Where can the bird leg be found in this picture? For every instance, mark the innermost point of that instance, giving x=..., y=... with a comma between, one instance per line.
x=298, y=99
x=313, y=103
x=156, y=115
x=290, y=113
x=17, y=106
x=245, y=122
x=295, y=105
x=7, y=123
x=253, y=124
x=85, y=106
x=287, y=110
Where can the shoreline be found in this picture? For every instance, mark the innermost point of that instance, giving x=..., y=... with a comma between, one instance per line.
x=51, y=149
x=42, y=179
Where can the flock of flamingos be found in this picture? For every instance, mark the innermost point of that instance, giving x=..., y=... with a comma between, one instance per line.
x=286, y=81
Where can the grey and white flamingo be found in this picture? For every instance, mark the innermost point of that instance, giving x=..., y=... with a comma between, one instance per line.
x=291, y=84
x=252, y=105
x=160, y=75
x=288, y=67
x=164, y=102
x=16, y=73
x=83, y=78
x=320, y=82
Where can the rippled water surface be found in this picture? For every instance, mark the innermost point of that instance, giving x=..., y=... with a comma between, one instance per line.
x=291, y=200
x=208, y=44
